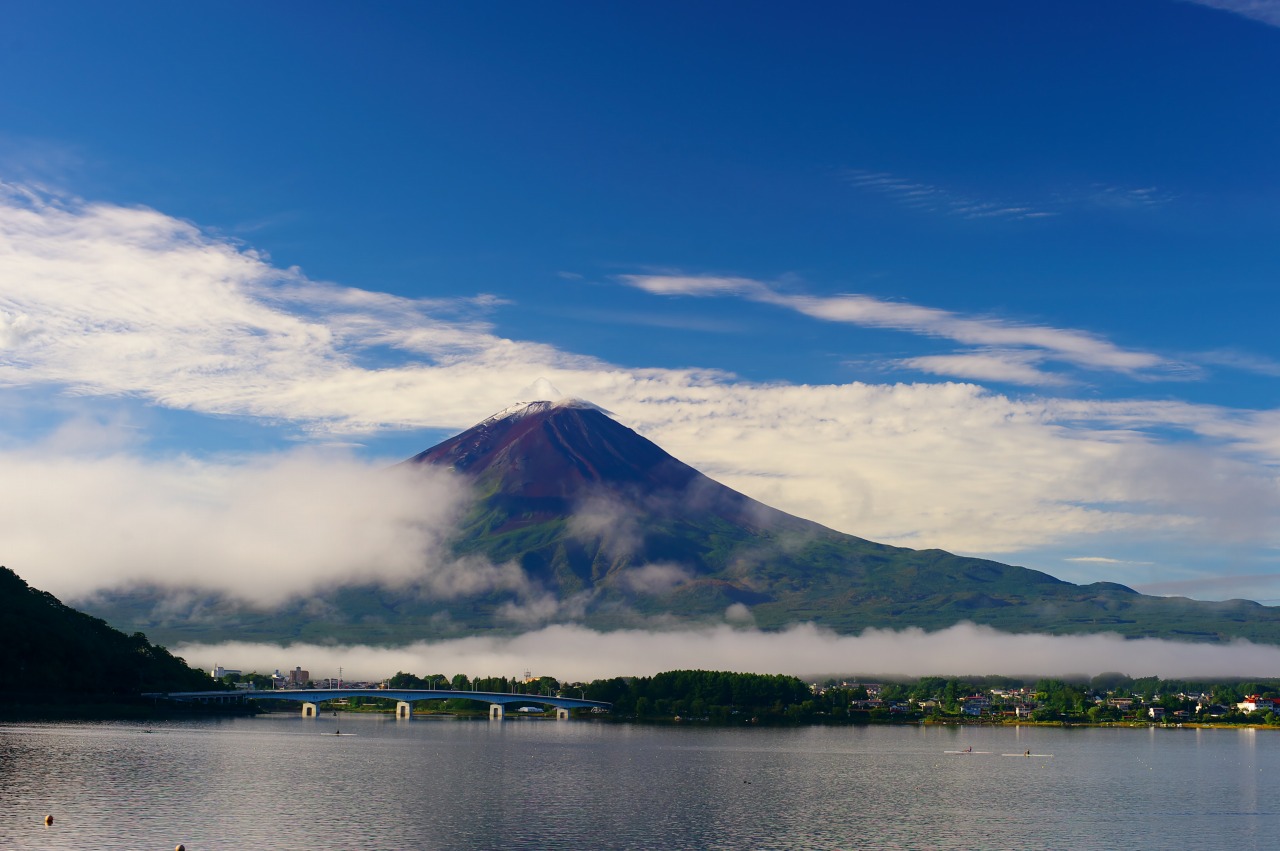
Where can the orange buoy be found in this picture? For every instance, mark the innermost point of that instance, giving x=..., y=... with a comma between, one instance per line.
x=48, y=820
x=180, y=847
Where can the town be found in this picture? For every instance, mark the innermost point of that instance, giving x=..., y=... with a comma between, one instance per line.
x=732, y=697
x=1101, y=701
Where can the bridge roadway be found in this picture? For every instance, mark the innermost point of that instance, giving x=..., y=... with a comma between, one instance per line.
x=310, y=698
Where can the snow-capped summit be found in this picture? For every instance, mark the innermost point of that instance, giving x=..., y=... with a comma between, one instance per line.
x=541, y=406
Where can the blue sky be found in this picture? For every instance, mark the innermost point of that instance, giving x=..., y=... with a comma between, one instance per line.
x=993, y=277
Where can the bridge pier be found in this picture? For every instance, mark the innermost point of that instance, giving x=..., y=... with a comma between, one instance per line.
x=403, y=699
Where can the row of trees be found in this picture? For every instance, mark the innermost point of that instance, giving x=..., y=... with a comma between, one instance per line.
x=735, y=697
x=694, y=694
x=461, y=682
x=714, y=695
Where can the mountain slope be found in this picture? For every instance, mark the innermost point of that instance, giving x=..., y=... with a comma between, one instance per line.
x=576, y=498
x=589, y=507
x=600, y=526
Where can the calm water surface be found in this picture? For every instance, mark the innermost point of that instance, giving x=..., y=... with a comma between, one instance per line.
x=286, y=782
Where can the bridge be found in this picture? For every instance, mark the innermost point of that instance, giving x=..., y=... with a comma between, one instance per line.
x=311, y=698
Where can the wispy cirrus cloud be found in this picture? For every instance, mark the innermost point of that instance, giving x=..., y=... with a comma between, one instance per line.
x=1125, y=197
x=936, y=199
x=1243, y=361
x=931, y=198
x=1009, y=351
x=1266, y=11
x=1003, y=366
x=38, y=161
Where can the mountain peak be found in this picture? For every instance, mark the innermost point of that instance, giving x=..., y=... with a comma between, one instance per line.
x=543, y=459
x=542, y=406
x=555, y=448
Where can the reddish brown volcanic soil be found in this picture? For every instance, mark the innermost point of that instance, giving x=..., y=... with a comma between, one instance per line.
x=550, y=458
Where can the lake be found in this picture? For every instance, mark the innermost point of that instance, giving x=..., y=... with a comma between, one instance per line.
x=279, y=781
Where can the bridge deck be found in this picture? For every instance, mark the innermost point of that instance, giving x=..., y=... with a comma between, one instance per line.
x=319, y=695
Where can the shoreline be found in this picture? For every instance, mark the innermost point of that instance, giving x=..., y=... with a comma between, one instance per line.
x=107, y=709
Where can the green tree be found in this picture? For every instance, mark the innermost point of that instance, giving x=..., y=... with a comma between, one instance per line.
x=258, y=681
x=405, y=681
x=951, y=696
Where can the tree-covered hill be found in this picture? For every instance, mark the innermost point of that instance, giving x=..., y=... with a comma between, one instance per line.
x=47, y=649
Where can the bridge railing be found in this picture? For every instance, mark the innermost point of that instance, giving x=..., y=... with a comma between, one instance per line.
x=316, y=696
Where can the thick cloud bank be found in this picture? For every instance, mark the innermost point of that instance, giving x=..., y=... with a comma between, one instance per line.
x=280, y=526
x=574, y=653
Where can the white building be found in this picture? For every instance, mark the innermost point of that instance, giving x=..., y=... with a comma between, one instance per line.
x=1254, y=703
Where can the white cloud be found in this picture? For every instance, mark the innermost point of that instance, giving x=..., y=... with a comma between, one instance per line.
x=1241, y=361
x=535, y=609
x=119, y=301
x=1080, y=348
x=611, y=523
x=957, y=467
x=557, y=651
x=655, y=578
x=1007, y=367
x=697, y=285
x=14, y=329
x=261, y=529
x=112, y=301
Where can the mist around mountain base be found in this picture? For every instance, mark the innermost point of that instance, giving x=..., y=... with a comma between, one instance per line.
x=553, y=516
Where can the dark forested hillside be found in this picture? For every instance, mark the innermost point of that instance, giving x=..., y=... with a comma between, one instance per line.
x=48, y=649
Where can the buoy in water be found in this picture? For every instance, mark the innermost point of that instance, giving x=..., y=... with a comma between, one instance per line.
x=180, y=847
x=48, y=820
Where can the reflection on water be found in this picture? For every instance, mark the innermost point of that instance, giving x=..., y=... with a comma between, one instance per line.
x=254, y=783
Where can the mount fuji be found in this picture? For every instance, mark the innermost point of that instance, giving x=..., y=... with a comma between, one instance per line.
x=592, y=523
